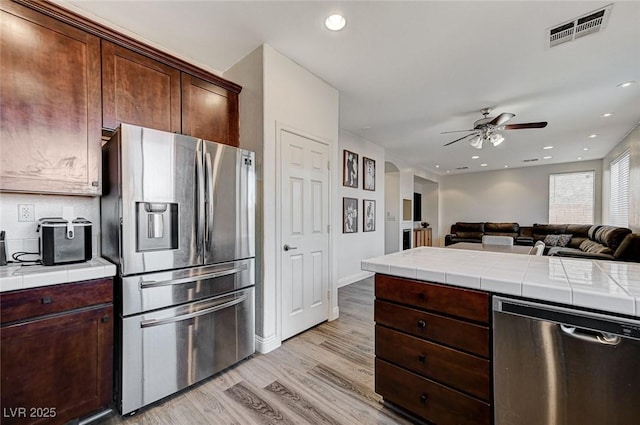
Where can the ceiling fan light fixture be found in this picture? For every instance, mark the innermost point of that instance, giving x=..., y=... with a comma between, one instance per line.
x=496, y=139
x=476, y=142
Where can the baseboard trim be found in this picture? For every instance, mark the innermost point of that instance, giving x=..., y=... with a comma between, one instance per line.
x=335, y=313
x=265, y=345
x=354, y=278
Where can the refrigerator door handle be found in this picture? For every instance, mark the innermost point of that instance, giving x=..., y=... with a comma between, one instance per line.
x=158, y=322
x=598, y=337
x=153, y=283
x=209, y=199
x=200, y=199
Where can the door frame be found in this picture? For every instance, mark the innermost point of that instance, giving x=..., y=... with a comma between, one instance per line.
x=332, y=313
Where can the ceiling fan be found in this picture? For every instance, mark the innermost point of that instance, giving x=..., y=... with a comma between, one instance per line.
x=487, y=129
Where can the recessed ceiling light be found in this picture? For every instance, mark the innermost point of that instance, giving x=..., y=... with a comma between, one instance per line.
x=483, y=165
x=593, y=136
x=585, y=149
x=579, y=157
x=547, y=157
x=626, y=84
x=608, y=114
x=548, y=147
x=437, y=166
x=506, y=166
x=475, y=157
x=448, y=171
x=335, y=22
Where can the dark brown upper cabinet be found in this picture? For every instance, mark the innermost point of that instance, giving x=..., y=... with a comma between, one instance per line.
x=138, y=90
x=49, y=103
x=209, y=112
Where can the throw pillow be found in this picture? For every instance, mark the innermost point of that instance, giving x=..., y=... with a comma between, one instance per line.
x=557, y=240
x=594, y=247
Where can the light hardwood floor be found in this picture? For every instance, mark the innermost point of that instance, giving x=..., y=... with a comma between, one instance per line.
x=322, y=376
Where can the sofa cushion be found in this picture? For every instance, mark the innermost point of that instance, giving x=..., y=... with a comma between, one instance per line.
x=629, y=249
x=595, y=247
x=463, y=226
x=611, y=236
x=580, y=233
x=541, y=230
x=557, y=240
x=501, y=228
x=466, y=230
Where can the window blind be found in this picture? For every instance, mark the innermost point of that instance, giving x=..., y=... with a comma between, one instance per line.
x=619, y=191
x=571, y=197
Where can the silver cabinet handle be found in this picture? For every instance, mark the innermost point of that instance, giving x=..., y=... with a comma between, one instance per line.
x=287, y=247
x=599, y=337
x=152, y=283
x=158, y=322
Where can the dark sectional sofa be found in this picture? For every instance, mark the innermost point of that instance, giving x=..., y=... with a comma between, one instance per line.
x=598, y=242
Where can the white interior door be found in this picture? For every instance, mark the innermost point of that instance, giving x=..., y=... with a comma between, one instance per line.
x=304, y=165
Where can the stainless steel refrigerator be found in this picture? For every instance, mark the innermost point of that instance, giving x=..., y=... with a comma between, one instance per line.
x=178, y=219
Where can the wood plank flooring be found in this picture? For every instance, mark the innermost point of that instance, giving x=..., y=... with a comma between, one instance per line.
x=322, y=376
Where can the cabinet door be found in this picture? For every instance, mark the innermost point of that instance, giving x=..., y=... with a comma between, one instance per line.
x=138, y=90
x=209, y=112
x=57, y=368
x=49, y=103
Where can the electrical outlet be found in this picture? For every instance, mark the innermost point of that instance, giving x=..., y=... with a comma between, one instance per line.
x=26, y=212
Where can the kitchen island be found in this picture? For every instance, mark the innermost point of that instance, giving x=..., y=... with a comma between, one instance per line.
x=434, y=325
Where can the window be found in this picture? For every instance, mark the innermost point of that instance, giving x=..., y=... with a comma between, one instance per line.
x=619, y=191
x=571, y=197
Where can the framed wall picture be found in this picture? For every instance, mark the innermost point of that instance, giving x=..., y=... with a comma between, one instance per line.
x=349, y=215
x=368, y=215
x=368, y=173
x=350, y=170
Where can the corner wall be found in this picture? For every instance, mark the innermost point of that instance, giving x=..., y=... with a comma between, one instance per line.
x=278, y=92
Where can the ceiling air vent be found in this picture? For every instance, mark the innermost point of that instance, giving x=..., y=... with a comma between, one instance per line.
x=462, y=168
x=589, y=23
x=530, y=160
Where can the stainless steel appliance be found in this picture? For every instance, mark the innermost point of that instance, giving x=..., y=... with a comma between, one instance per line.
x=178, y=217
x=561, y=366
x=63, y=241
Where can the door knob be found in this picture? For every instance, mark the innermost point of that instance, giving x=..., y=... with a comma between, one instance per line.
x=287, y=247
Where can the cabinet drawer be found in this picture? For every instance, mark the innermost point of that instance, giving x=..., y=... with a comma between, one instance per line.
x=463, y=303
x=430, y=400
x=467, y=373
x=23, y=304
x=445, y=330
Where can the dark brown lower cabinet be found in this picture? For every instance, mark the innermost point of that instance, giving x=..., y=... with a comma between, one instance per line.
x=56, y=367
x=432, y=351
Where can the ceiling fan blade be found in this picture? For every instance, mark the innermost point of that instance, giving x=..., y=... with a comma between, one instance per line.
x=541, y=124
x=501, y=119
x=454, y=131
x=463, y=137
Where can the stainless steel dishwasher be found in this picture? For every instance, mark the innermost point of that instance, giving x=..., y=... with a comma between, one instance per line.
x=561, y=366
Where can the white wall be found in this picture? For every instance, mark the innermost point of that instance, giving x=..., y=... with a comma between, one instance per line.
x=22, y=236
x=249, y=74
x=513, y=195
x=355, y=247
x=393, y=214
x=430, y=202
x=294, y=98
x=631, y=142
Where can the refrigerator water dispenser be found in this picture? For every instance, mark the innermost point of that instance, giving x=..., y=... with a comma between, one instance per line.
x=157, y=224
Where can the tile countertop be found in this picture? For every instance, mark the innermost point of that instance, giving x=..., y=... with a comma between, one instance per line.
x=609, y=286
x=13, y=277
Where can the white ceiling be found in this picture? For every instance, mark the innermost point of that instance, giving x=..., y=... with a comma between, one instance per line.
x=407, y=71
